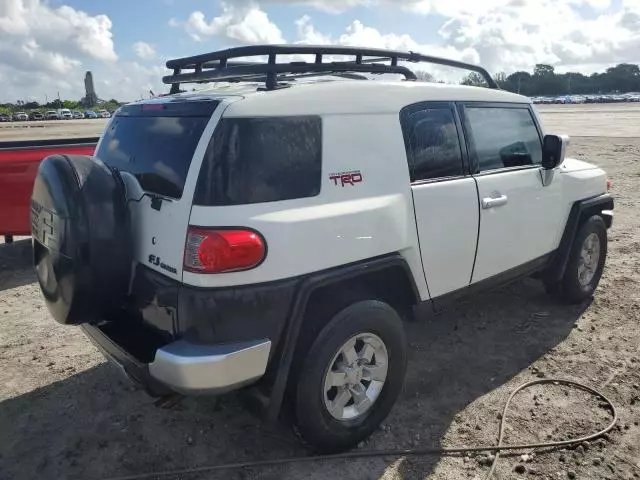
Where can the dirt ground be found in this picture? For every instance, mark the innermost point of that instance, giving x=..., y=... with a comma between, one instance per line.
x=51, y=129
x=65, y=413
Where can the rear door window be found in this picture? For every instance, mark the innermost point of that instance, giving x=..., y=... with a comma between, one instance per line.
x=156, y=143
x=264, y=159
x=432, y=142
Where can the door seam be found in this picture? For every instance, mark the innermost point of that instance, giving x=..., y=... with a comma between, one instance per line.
x=475, y=257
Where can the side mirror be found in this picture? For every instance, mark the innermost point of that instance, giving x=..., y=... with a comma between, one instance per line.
x=553, y=150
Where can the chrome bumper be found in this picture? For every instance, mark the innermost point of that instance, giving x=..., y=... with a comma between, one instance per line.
x=189, y=368
x=193, y=369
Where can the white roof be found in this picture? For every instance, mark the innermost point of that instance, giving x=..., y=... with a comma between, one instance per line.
x=349, y=96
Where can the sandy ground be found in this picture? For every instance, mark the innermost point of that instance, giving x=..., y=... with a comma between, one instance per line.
x=65, y=413
x=47, y=129
x=619, y=120
x=587, y=120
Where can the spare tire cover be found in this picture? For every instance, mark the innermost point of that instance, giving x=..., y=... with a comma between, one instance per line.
x=81, y=232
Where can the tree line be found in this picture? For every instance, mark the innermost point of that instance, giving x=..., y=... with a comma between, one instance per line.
x=56, y=104
x=622, y=78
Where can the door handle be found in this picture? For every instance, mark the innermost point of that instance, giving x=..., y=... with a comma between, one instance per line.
x=491, y=202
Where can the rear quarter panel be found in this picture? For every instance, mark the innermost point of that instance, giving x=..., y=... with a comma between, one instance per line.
x=344, y=223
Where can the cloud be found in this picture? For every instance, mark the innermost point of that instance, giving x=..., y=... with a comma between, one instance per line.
x=503, y=35
x=63, y=31
x=523, y=33
x=307, y=34
x=341, y=6
x=244, y=24
x=144, y=50
x=43, y=49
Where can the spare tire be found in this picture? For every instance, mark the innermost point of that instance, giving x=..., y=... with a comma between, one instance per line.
x=82, y=238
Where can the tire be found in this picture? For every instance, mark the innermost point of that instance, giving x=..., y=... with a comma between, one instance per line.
x=579, y=283
x=371, y=322
x=82, y=238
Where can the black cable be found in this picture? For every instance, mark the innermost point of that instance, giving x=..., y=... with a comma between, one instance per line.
x=409, y=452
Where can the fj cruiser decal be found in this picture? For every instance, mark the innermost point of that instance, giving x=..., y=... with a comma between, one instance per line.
x=153, y=260
x=346, y=178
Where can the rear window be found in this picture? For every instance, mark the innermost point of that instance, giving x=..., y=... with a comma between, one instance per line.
x=257, y=160
x=155, y=143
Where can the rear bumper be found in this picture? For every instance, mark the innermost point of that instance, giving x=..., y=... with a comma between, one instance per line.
x=188, y=368
x=206, y=369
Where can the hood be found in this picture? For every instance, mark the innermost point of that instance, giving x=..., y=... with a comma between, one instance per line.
x=575, y=165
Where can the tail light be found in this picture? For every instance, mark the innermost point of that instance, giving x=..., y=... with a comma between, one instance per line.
x=218, y=251
x=609, y=184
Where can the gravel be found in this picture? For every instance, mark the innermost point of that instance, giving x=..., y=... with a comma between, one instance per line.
x=58, y=422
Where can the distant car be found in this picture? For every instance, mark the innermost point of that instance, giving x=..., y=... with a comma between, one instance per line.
x=52, y=115
x=20, y=117
x=90, y=114
x=77, y=114
x=36, y=116
x=104, y=114
x=65, y=114
x=4, y=117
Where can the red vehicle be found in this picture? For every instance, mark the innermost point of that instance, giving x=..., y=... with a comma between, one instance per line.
x=18, y=167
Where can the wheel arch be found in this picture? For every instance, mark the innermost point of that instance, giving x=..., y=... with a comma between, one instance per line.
x=581, y=210
x=351, y=281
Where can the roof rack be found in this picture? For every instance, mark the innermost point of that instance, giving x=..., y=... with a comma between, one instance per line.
x=216, y=67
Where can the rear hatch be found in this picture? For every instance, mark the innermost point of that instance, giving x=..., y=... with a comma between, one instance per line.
x=157, y=147
x=153, y=144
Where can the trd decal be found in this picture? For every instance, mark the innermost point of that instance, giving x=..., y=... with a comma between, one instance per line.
x=153, y=260
x=346, y=178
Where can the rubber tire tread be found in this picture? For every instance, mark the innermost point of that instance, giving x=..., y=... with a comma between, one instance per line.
x=572, y=291
x=313, y=421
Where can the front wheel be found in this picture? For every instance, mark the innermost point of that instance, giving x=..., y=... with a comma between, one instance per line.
x=351, y=377
x=586, y=261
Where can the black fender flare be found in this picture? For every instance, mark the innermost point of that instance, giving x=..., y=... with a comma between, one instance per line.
x=581, y=210
x=305, y=289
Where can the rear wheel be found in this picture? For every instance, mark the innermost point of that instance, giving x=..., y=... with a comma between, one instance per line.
x=586, y=261
x=351, y=376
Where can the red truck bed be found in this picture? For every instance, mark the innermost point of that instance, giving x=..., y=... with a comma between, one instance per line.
x=18, y=167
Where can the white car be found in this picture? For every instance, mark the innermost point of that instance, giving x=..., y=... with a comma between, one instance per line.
x=273, y=235
x=104, y=114
x=65, y=114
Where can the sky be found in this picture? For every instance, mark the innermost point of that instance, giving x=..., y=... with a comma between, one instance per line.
x=46, y=46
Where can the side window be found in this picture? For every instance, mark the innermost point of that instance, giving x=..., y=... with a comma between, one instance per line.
x=264, y=159
x=433, y=146
x=503, y=137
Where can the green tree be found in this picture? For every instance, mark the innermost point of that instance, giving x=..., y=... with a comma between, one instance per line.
x=624, y=77
x=424, y=76
x=519, y=82
x=543, y=70
x=475, y=80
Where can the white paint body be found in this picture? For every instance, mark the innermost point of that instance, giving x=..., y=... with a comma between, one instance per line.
x=448, y=240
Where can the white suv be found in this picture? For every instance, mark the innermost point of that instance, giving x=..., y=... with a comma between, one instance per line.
x=275, y=232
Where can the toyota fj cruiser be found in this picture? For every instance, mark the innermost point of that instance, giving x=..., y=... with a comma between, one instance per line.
x=273, y=232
